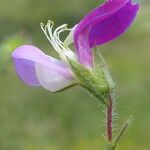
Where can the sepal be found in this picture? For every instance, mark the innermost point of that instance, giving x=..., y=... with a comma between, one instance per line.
x=101, y=69
x=87, y=79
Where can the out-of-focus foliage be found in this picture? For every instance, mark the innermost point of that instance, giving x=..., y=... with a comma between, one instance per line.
x=35, y=119
x=29, y=13
x=6, y=48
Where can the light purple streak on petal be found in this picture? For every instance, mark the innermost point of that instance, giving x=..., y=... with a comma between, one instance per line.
x=25, y=57
x=85, y=52
x=98, y=24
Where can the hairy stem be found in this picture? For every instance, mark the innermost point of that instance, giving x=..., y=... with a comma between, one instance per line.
x=109, y=119
x=109, y=127
x=111, y=142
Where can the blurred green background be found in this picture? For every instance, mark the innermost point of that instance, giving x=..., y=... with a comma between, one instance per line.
x=35, y=119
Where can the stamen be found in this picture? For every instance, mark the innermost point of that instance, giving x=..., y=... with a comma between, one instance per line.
x=54, y=39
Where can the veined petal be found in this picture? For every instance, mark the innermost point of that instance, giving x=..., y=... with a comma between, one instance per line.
x=104, y=24
x=37, y=69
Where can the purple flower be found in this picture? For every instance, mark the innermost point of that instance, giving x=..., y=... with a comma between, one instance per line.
x=100, y=26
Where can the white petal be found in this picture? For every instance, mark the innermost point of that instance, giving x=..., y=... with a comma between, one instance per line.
x=69, y=38
x=49, y=79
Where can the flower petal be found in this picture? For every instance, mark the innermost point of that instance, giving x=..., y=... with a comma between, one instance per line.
x=29, y=60
x=103, y=24
x=113, y=26
x=51, y=80
x=69, y=40
x=83, y=49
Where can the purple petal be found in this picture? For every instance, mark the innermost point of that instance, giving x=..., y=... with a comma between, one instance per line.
x=84, y=51
x=29, y=61
x=103, y=24
x=113, y=26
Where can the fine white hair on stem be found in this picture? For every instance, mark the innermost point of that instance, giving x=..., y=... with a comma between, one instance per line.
x=115, y=113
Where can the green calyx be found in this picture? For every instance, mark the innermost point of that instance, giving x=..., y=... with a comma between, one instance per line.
x=89, y=81
x=96, y=80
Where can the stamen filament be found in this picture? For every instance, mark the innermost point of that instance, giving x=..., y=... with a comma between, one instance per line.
x=54, y=39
